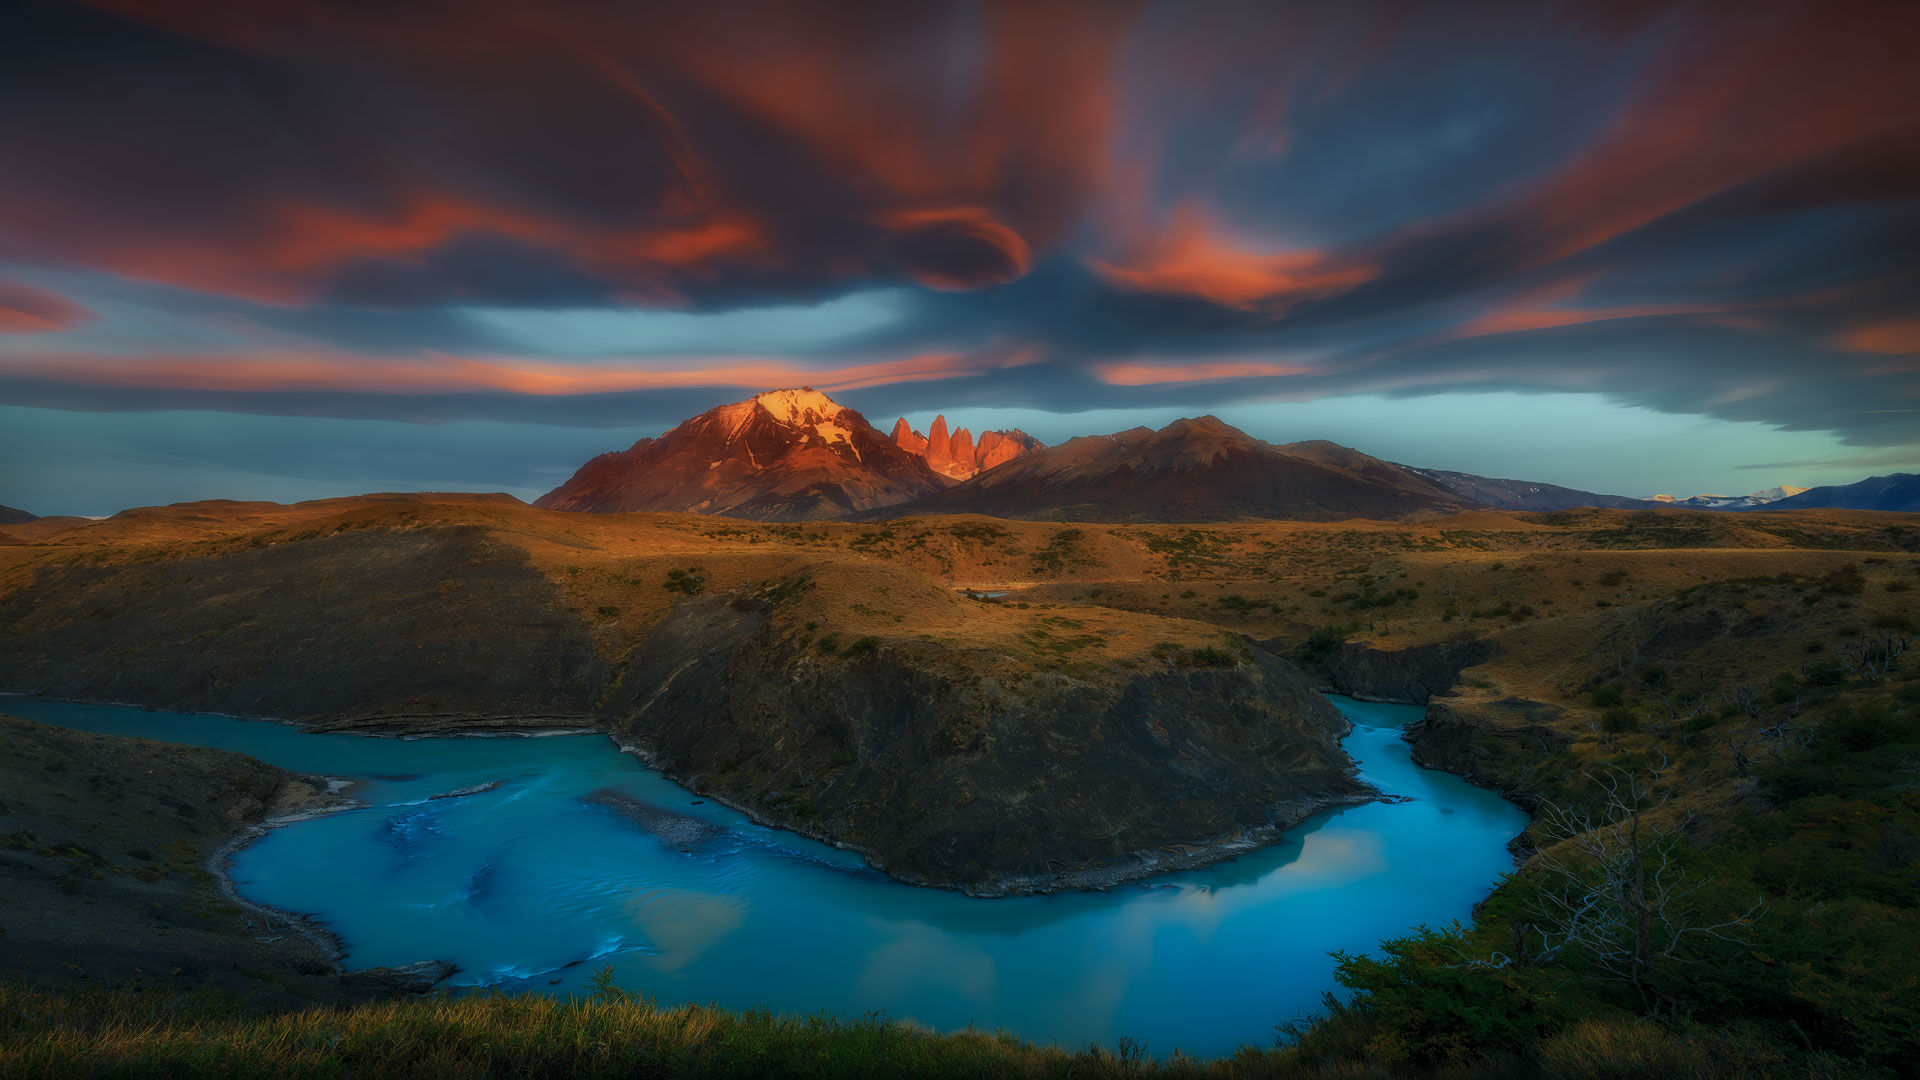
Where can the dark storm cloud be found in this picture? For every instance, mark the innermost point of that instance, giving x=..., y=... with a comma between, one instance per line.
x=704, y=153
x=1701, y=208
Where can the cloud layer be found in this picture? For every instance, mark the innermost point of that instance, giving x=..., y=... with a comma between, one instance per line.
x=600, y=213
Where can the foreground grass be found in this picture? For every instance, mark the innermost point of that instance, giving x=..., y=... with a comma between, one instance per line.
x=92, y=1032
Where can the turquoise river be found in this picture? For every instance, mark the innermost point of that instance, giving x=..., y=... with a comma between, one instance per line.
x=578, y=857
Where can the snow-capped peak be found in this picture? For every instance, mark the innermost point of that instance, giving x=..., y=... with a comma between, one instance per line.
x=792, y=406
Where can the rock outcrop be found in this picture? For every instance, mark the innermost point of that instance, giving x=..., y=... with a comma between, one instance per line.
x=956, y=455
x=945, y=768
x=1410, y=676
x=1489, y=743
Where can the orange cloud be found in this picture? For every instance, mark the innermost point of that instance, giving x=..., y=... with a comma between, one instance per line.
x=1153, y=373
x=1543, y=308
x=788, y=139
x=1717, y=113
x=1186, y=258
x=442, y=373
x=972, y=224
x=1892, y=336
x=26, y=309
x=284, y=259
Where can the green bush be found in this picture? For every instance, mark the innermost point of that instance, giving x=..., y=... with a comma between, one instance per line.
x=1432, y=1009
x=1320, y=645
x=685, y=581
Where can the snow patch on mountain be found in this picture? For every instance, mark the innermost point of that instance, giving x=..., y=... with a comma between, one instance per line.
x=795, y=405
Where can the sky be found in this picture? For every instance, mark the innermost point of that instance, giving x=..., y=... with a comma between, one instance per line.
x=286, y=249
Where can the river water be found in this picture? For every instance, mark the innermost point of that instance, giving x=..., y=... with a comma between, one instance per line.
x=579, y=857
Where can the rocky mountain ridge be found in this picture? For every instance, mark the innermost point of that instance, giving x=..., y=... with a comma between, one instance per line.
x=785, y=455
x=1894, y=491
x=797, y=455
x=1199, y=469
x=956, y=455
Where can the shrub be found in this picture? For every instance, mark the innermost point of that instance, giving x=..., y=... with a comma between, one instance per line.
x=1784, y=689
x=685, y=581
x=1208, y=656
x=1828, y=672
x=1608, y=696
x=1431, y=1010
x=1845, y=580
x=1619, y=720
x=863, y=646
x=1323, y=643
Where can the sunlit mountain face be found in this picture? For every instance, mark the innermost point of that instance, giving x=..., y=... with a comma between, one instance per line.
x=283, y=249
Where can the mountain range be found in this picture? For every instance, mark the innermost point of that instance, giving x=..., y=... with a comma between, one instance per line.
x=786, y=455
x=1200, y=469
x=797, y=455
x=1894, y=491
x=1525, y=494
x=1730, y=502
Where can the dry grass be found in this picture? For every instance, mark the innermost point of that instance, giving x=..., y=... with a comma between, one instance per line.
x=125, y=1033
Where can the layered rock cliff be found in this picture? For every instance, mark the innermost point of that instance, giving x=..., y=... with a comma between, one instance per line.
x=946, y=767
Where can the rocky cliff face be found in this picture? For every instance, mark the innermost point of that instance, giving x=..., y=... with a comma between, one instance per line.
x=944, y=768
x=1493, y=744
x=955, y=454
x=1411, y=676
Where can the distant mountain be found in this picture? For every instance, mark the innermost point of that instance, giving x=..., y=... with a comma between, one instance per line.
x=10, y=516
x=1526, y=494
x=1191, y=470
x=956, y=455
x=786, y=455
x=1895, y=491
x=1730, y=502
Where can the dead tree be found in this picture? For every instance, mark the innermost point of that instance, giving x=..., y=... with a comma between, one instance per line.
x=1870, y=658
x=1748, y=697
x=1610, y=896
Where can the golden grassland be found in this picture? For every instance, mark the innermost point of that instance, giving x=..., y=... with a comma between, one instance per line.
x=1135, y=586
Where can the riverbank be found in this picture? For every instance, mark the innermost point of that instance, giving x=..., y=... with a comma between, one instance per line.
x=113, y=870
x=1182, y=852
